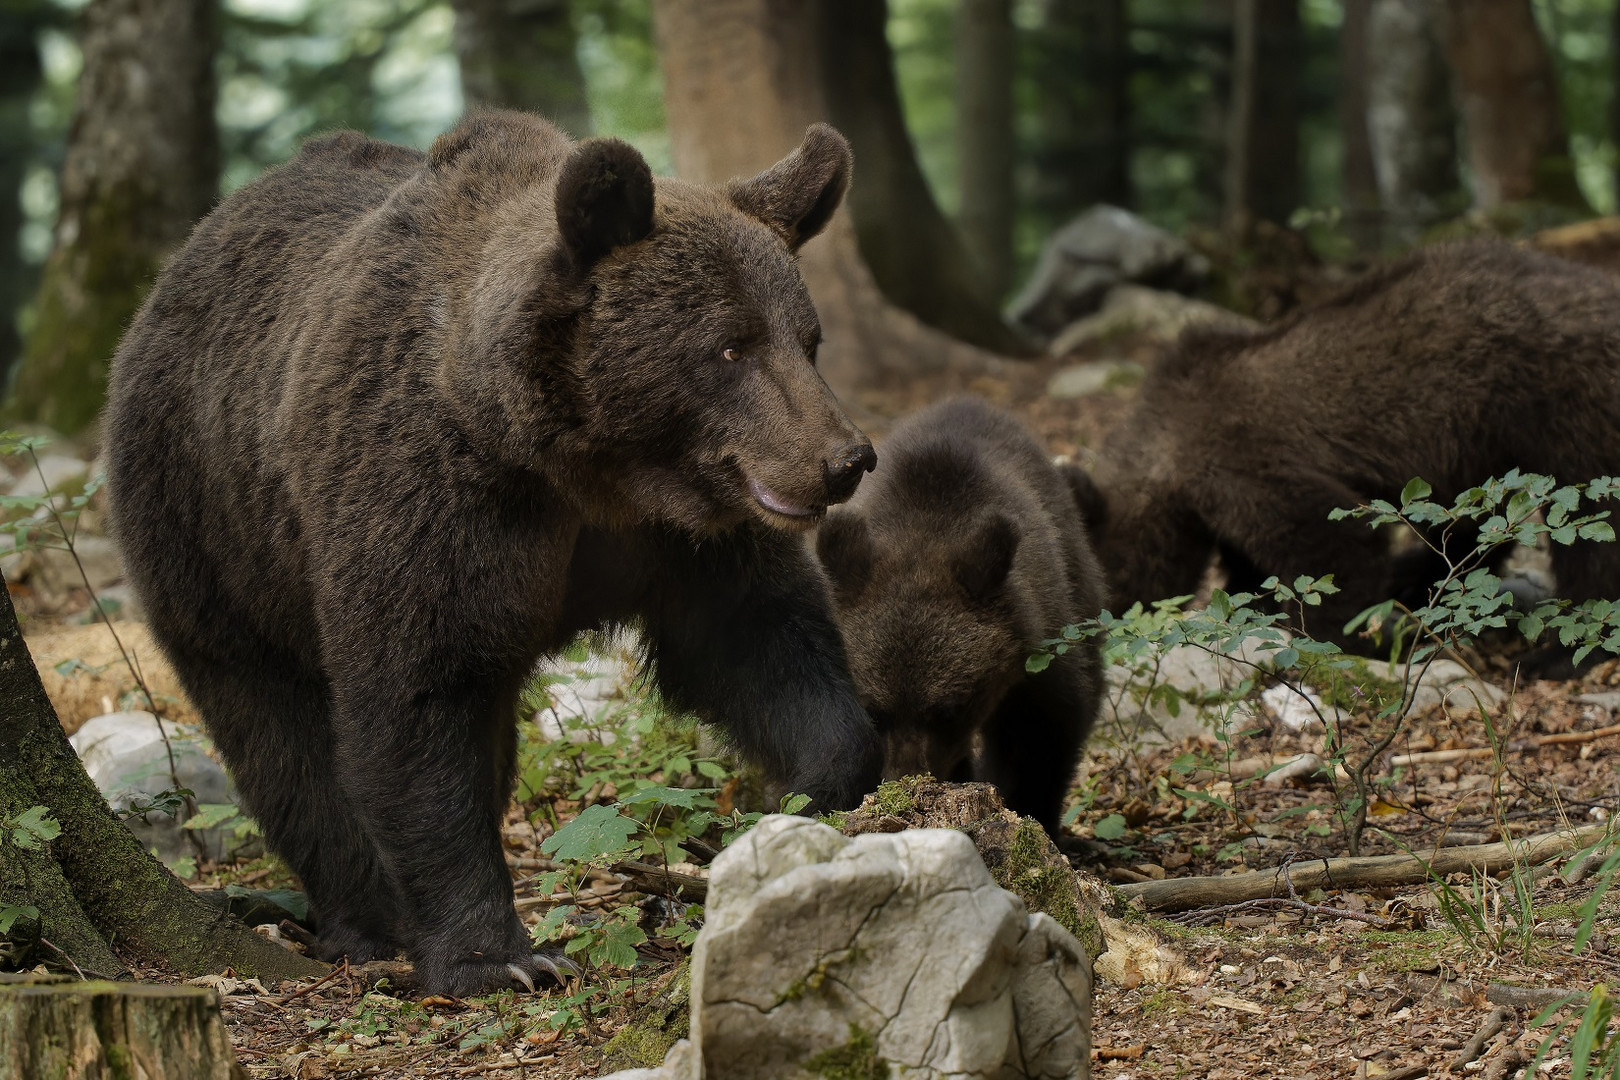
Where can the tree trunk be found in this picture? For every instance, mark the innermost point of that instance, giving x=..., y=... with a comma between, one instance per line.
x=1508, y=93
x=142, y=165
x=1240, y=114
x=523, y=54
x=740, y=87
x=81, y=1030
x=1262, y=172
x=1411, y=122
x=985, y=143
x=911, y=249
x=20, y=76
x=1360, y=175
x=1082, y=65
x=114, y=890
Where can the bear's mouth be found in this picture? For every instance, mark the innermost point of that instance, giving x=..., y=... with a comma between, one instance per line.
x=780, y=506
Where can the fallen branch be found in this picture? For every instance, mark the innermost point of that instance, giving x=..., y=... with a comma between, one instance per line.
x=1531, y=742
x=1506, y=1064
x=663, y=881
x=1495, y=1020
x=1184, y=894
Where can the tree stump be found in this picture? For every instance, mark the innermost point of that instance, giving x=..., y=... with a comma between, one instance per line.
x=95, y=1030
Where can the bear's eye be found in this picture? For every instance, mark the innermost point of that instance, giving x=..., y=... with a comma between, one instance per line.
x=732, y=353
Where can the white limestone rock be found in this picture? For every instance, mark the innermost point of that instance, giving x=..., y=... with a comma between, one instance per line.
x=890, y=947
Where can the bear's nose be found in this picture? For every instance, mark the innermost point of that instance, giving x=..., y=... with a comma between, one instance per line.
x=842, y=474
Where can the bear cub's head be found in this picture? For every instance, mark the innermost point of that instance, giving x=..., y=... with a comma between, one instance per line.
x=931, y=622
x=690, y=360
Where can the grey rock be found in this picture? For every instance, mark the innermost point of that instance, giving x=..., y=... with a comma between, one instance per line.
x=1082, y=261
x=1083, y=380
x=895, y=949
x=1153, y=313
x=58, y=469
x=124, y=754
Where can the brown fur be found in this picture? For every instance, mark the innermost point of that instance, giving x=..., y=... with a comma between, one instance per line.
x=957, y=558
x=1455, y=364
x=393, y=425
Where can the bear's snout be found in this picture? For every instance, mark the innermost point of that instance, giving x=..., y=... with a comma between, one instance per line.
x=842, y=473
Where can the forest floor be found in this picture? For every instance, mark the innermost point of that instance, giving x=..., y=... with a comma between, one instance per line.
x=1359, y=981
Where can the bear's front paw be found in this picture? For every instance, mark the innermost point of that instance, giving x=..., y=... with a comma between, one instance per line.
x=338, y=940
x=465, y=978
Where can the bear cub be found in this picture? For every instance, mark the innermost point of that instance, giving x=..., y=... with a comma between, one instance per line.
x=962, y=552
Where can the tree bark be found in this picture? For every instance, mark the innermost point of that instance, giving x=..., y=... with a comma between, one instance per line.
x=523, y=54
x=1508, y=93
x=1262, y=144
x=93, y=1029
x=142, y=165
x=119, y=892
x=910, y=247
x=1360, y=175
x=20, y=76
x=1411, y=122
x=740, y=87
x=985, y=144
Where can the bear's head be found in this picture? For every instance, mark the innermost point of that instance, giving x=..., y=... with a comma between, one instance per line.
x=667, y=344
x=931, y=620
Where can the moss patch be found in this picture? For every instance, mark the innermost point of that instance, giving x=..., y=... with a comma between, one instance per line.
x=856, y=1060
x=656, y=1026
x=898, y=797
x=1044, y=886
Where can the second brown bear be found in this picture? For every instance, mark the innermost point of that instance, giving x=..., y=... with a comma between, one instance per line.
x=962, y=552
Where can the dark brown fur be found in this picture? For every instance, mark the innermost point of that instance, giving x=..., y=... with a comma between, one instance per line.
x=958, y=557
x=392, y=425
x=1455, y=364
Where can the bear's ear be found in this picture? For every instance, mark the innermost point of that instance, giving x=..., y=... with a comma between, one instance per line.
x=844, y=546
x=796, y=197
x=604, y=200
x=985, y=562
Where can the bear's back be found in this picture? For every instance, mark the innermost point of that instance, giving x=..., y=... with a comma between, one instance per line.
x=1427, y=366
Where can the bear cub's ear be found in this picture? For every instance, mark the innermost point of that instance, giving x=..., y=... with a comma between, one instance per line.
x=604, y=200
x=796, y=197
x=844, y=546
x=986, y=560
x=1087, y=496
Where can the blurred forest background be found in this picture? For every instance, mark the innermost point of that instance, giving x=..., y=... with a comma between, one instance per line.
x=980, y=126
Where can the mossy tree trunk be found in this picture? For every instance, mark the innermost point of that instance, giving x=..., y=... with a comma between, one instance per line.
x=95, y=884
x=523, y=54
x=740, y=87
x=142, y=165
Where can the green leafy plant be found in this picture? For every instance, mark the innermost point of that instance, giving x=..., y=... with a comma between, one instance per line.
x=1250, y=630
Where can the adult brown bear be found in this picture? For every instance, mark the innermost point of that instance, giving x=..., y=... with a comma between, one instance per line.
x=392, y=425
x=1455, y=364
x=957, y=559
